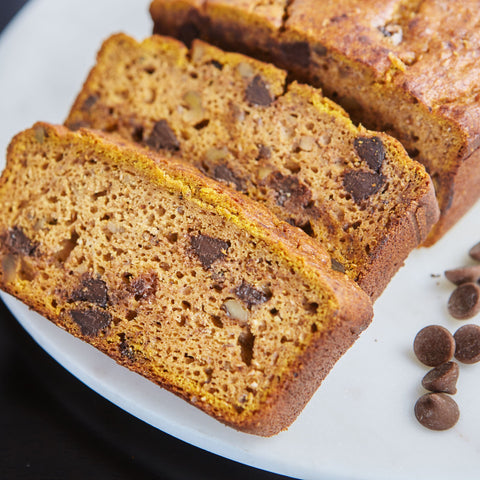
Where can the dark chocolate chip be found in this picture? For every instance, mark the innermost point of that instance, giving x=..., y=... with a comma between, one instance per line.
x=361, y=185
x=91, y=321
x=89, y=102
x=250, y=295
x=257, y=92
x=92, y=290
x=467, y=340
x=458, y=276
x=371, y=150
x=442, y=378
x=290, y=192
x=225, y=174
x=296, y=53
x=209, y=249
x=162, y=136
x=434, y=345
x=437, y=411
x=19, y=244
x=143, y=286
x=337, y=266
x=264, y=152
x=475, y=252
x=464, y=302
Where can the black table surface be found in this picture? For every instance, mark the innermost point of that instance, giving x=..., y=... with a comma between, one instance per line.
x=54, y=427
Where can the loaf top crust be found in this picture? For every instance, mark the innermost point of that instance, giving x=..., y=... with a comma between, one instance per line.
x=426, y=49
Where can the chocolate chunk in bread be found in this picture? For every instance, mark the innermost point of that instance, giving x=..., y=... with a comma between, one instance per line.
x=209, y=249
x=257, y=92
x=371, y=150
x=91, y=290
x=361, y=184
x=91, y=321
x=162, y=136
x=18, y=243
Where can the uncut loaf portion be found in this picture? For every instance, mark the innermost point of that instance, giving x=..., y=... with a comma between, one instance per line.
x=173, y=275
x=285, y=145
x=410, y=68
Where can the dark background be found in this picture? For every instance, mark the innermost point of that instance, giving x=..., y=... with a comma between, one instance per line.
x=53, y=427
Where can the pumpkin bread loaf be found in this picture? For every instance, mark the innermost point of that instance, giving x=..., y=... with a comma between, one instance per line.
x=409, y=68
x=283, y=144
x=173, y=275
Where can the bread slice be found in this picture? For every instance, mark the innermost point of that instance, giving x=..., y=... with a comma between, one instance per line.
x=284, y=145
x=410, y=69
x=173, y=275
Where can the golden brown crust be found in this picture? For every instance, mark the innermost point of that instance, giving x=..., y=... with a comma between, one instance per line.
x=45, y=277
x=382, y=63
x=362, y=235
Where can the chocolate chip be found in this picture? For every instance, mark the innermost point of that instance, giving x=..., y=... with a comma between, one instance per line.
x=462, y=275
x=92, y=290
x=361, y=184
x=143, y=286
x=475, y=252
x=464, y=302
x=442, y=378
x=89, y=102
x=296, y=53
x=337, y=266
x=209, y=249
x=467, y=339
x=264, y=152
x=437, y=411
x=434, y=345
x=18, y=243
x=257, y=92
x=250, y=295
x=290, y=192
x=224, y=173
x=91, y=321
x=162, y=136
x=371, y=150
